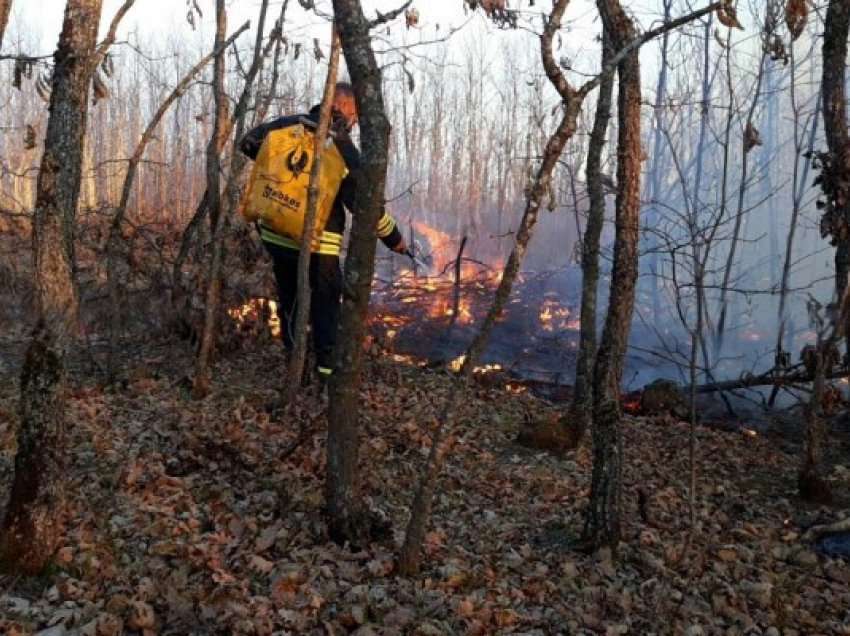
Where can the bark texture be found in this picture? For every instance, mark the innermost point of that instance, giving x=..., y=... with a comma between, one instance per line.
x=346, y=518
x=811, y=483
x=836, y=168
x=581, y=411
x=302, y=304
x=603, y=516
x=5, y=10
x=33, y=520
x=213, y=197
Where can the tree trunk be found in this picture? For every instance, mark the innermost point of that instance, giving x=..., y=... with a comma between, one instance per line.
x=5, y=10
x=834, y=103
x=33, y=521
x=344, y=508
x=810, y=482
x=302, y=304
x=582, y=405
x=603, y=516
x=202, y=368
x=571, y=104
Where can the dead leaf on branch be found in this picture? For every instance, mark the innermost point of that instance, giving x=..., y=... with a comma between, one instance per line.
x=29, y=137
x=796, y=13
x=752, y=137
x=728, y=16
x=99, y=88
x=490, y=6
x=778, y=51
x=411, y=17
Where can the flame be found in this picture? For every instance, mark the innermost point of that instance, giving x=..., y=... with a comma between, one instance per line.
x=555, y=317
x=440, y=244
x=457, y=363
x=443, y=305
x=252, y=310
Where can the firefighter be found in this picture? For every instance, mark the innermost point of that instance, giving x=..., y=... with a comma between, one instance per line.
x=325, y=273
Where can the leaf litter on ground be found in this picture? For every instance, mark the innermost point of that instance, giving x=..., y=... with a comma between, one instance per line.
x=206, y=517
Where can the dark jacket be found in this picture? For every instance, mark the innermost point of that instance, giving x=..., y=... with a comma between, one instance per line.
x=250, y=146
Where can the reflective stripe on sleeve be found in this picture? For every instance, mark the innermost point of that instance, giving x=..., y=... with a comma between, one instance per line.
x=385, y=226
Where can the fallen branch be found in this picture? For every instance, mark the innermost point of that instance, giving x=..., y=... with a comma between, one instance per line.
x=816, y=532
x=767, y=379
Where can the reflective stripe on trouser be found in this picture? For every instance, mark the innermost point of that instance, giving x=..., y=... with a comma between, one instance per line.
x=330, y=243
x=325, y=291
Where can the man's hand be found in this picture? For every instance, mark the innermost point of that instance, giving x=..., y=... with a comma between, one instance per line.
x=401, y=247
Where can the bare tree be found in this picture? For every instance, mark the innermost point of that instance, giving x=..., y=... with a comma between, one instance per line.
x=213, y=198
x=221, y=206
x=603, y=516
x=346, y=517
x=302, y=303
x=5, y=10
x=580, y=412
x=835, y=164
x=33, y=520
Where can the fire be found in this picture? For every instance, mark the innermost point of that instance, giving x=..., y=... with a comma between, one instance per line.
x=253, y=310
x=555, y=317
x=439, y=242
x=457, y=363
x=443, y=305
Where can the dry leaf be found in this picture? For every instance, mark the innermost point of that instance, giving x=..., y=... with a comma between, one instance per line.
x=728, y=16
x=796, y=13
x=752, y=138
x=411, y=17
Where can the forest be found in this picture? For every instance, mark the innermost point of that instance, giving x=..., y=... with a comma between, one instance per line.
x=392, y=317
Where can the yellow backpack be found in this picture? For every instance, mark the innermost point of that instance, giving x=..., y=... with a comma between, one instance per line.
x=277, y=190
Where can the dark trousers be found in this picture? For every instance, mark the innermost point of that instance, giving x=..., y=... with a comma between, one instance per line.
x=325, y=291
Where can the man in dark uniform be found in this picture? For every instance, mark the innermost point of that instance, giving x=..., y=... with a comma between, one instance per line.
x=325, y=274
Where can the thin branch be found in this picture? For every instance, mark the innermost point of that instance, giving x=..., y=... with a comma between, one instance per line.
x=383, y=18
x=109, y=40
x=642, y=39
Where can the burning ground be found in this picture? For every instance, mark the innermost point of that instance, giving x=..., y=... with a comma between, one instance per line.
x=188, y=516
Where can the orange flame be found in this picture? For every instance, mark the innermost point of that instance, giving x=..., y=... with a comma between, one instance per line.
x=251, y=311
